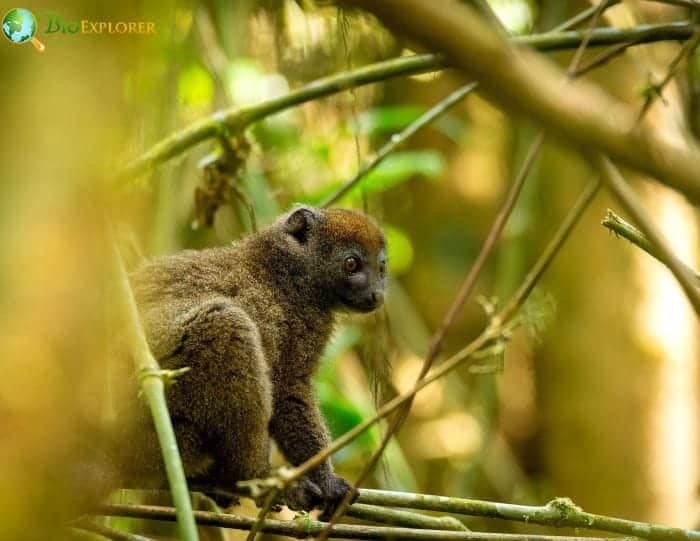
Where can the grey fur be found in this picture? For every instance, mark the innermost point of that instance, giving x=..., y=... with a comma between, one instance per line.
x=251, y=321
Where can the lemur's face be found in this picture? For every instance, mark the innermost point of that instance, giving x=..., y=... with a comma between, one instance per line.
x=358, y=259
x=352, y=252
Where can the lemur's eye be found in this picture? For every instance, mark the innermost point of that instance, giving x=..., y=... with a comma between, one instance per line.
x=351, y=264
x=382, y=268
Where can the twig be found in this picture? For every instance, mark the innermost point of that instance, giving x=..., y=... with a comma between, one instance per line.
x=633, y=206
x=550, y=251
x=560, y=513
x=655, y=90
x=692, y=4
x=152, y=380
x=582, y=17
x=578, y=55
x=485, y=9
x=399, y=139
x=605, y=57
x=376, y=514
x=643, y=33
x=237, y=119
x=108, y=533
x=304, y=527
x=626, y=230
x=262, y=515
x=395, y=517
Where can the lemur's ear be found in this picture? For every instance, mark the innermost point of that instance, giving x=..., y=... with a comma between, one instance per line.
x=299, y=223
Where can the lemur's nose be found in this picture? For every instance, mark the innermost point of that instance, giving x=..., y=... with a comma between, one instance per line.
x=377, y=297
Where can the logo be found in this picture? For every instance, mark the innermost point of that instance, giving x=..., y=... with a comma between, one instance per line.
x=19, y=26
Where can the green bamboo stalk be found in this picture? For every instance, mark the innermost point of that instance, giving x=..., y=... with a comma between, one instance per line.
x=377, y=514
x=236, y=119
x=560, y=513
x=152, y=380
x=305, y=527
x=406, y=519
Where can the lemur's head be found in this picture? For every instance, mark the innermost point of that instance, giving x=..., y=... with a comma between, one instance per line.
x=346, y=252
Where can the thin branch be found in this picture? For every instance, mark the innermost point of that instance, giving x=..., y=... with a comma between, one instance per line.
x=644, y=33
x=377, y=514
x=262, y=514
x=605, y=57
x=487, y=248
x=691, y=4
x=582, y=17
x=656, y=90
x=406, y=519
x=234, y=120
x=550, y=251
x=304, y=527
x=633, y=206
x=578, y=55
x=153, y=387
x=627, y=231
x=560, y=513
x=108, y=533
x=485, y=9
x=396, y=140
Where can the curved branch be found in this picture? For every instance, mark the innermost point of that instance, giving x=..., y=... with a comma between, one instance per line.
x=236, y=119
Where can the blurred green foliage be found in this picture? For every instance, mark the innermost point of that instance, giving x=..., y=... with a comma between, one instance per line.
x=590, y=403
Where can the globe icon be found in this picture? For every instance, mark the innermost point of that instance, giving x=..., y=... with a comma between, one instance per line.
x=19, y=26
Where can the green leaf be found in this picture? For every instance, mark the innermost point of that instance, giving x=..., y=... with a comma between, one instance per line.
x=195, y=87
x=401, y=166
x=389, y=118
x=394, y=118
x=394, y=170
x=342, y=414
x=400, y=249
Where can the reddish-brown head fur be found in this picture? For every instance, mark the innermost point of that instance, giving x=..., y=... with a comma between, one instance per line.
x=346, y=225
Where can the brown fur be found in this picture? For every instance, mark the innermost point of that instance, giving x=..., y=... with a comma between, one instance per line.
x=251, y=321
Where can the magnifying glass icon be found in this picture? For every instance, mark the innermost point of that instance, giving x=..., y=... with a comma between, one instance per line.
x=19, y=26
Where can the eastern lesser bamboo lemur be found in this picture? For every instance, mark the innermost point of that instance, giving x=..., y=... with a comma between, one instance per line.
x=251, y=321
